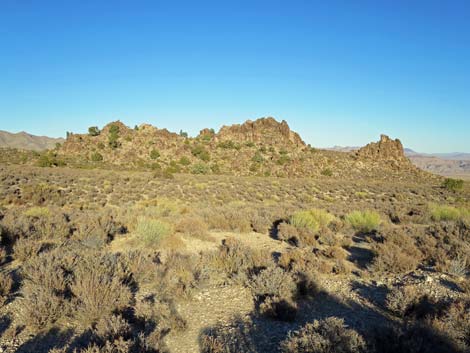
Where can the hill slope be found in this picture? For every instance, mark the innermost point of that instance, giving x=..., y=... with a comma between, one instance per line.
x=25, y=141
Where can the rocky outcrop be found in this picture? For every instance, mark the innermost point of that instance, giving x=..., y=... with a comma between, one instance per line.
x=263, y=131
x=385, y=149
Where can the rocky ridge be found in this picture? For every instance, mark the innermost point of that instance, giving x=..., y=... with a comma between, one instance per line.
x=263, y=147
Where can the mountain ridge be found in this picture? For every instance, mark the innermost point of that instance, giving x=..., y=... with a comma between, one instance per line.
x=26, y=141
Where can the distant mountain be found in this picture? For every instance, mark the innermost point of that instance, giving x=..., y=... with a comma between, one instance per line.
x=25, y=141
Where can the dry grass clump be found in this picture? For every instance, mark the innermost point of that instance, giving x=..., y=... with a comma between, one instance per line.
x=447, y=213
x=193, y=226
x=329, y=335
x=313, y=219
x=227, y=218
x=155, y=234
x=364, y=221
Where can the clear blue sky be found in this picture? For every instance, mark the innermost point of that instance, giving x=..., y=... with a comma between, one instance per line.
x=340, y=72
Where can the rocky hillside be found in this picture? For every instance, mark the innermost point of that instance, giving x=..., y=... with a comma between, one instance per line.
x=263, y=147
x=25, y=141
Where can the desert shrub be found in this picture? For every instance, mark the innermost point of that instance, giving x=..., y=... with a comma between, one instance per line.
x=50, y=160
x=194, y=227
x=229, y=144
x=325, y=336
x=154, y=154
x=452, y=184
x=273, y=281
x=6, y=284
x=42, y=193
x=39, y=307
x=283, y=159
x=274, y=289
x=25, y=249
x=103, y=225
x=45, y=223
x=166, y=173
x=400, y=299
x=152, y=231
x=184, y=161
x=200, y=168
x=278, y=308
x=455, y=322
x=113, y=136
x=98, y=289
x=397, y=254
x=177, y=276
x=327, y=172
x=258, y=157
x=236, y=260
x=313, y=219
x=237, y=338
x=93, y=131
x=96, y=157
x=200, y=152
x=227, y=218
x=364, y=221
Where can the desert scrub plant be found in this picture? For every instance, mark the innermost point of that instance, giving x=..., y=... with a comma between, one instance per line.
x=274, y=290
x=152, y=232
x=200, y=168
x=313, y=219
x=327, y=172
x=96, y=157
x=236, y=260
x=452, y=184
x=329, y=335
x=448, y=213
x=98, y=289
x=193, y=226
x=396, y=254
x=200, y=152
x=154, y=154
x=93, y=131
x=364, y=221
x=6, y=284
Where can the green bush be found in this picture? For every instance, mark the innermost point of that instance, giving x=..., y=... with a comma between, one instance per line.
x=154, y=154
x=152, y=231
x=96, y=157
x=50, y=160
x=113, y=136
x=327, y=172
x=313, y=219
x=364, y=221
x=201, y=153
x=200, y=168
x=93, y=131
x=229, y=145
x=453, y=184
x=258, y=157
x=283, y=159
x=184, y=161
